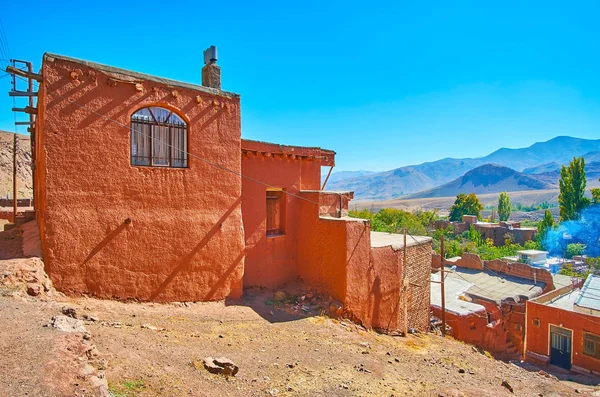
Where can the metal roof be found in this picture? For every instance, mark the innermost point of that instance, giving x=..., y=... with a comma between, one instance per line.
x=590, y=293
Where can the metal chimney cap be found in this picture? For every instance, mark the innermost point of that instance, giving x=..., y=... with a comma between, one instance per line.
x=210, y=55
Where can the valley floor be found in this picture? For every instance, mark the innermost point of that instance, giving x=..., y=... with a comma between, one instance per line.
x=443, y=204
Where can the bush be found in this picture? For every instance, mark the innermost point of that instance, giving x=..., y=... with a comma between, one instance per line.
x=574, y=249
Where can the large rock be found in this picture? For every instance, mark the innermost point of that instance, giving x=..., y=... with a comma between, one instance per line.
x=220, y=365
x=67, y=324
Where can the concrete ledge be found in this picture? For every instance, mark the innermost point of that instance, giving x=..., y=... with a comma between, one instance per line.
x=537, y=358
x=584, y=371
x=396, y=241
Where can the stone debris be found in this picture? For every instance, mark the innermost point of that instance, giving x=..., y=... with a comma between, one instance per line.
x=69, y=311
x=221, y=365
x=90, y=317
x=34, y=289
x=67, y=324
x=150, y=327
x=507, y=386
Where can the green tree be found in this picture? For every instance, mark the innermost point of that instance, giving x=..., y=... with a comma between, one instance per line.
x=574, y=249
x=545, y=223
x=572, y=189
x=465, y=204
x=596, y=194
x=503, y=206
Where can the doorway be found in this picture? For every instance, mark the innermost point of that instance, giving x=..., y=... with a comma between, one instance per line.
x=560, y=347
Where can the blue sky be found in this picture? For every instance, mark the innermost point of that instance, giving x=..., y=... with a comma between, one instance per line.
x=383, y=84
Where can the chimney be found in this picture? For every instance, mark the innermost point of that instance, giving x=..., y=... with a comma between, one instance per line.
x=211, y=72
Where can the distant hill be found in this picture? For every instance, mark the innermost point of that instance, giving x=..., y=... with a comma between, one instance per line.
x=24, y=178
x=488, y=178
x=415, y=178
x=560, y=150
x=389, y=184
x=592, y=173
x=548, y=167
x=553, y=166
x=337, y=176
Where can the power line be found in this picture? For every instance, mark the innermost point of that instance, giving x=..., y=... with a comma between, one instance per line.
x=219, y=166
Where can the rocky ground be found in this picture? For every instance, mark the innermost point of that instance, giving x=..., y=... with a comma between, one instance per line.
x=280, y=344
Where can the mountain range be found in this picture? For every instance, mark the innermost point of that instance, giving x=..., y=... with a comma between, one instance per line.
x=510, y=169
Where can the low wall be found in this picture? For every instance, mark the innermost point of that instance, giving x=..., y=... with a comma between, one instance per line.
x=522, y=270
x=20, y=202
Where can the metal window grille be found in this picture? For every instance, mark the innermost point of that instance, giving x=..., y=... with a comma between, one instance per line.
x=158, y=138
x=591, y=345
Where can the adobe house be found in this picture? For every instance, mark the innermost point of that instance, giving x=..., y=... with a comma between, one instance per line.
x=563, y=327
x=497, y=232
x=144, y=189
x=485, y=300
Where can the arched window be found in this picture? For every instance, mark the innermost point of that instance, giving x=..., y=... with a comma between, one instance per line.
x=158, y=138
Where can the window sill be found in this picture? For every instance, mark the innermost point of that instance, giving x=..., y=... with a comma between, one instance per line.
x=277, y=235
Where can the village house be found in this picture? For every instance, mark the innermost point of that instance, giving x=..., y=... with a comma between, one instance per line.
x=485, y=300
x=540, y=259
x=498, y=232
x=563, y=327
x=144, y=189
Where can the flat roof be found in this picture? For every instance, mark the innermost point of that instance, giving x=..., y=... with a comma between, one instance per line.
x=141, y=76
x=590, y=293
x=454, y=288
x=532, y=252
x=327, y=156
x=565, y=301
x=396, y=241
x=496, y=286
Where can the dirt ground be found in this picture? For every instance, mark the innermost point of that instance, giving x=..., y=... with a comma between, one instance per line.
x=281, y=348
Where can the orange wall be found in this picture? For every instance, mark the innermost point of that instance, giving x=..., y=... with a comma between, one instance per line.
x=322, y=247
x=186, y=239
x=271, y=261
x=538, y=338
x=474, y=329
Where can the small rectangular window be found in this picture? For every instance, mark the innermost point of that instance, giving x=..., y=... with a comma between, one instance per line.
x=275, y=212
x=591, y=345
x=536, y=322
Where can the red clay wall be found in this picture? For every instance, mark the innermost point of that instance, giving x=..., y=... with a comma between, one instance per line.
x=375, y=291
x=326, y=247
x=522, y=270
x=538, y=338
x=272, y=261
x=186, y=239
x=475, y=329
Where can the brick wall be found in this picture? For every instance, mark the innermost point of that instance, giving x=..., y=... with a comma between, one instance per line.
x=418, y=272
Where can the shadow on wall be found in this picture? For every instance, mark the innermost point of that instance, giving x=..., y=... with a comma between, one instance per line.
x=109, y=237
x=185, y=262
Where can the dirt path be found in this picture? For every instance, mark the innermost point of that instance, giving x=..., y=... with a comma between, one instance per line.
x=144, y=349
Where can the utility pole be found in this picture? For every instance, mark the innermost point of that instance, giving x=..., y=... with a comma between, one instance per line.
x=31, y=130
x=442, y=285
x=405, y=287
x=31, y=110
x=14, y=178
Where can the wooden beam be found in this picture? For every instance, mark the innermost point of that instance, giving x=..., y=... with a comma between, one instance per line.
x=22, y=93
x=24, y=122
x=23, y=73
x=27, y=109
